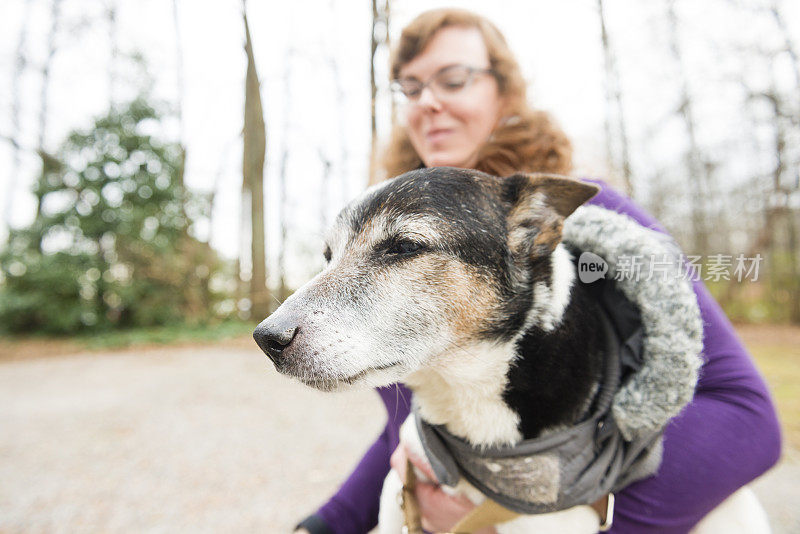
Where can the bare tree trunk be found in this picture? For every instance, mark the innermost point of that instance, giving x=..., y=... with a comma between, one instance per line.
x=777, y=236
x=218, y=177
x=778, y=216
x=323, y=189
x=607, y=59
x=44, y=111
x=343, y=156
x=287, y=93
x=780, y=210
x=787, y=110
x=55, y=19
x=243, y=282
x=380, y=23
x=373, y=91
x=255, y=141
x=788, y=47
x=197, y=250
x=387, y=42
x=794, y=268
x=614, y=107
x=20, y=63
x=698, y=180
x=113, y=93
x=179, y=103
x=178, y=67
x=341, y=97
x=762, y=243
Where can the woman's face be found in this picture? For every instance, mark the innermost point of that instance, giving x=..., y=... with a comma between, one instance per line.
x=448, y=127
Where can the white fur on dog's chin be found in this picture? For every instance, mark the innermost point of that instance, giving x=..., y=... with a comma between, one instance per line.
x=463, y=389
x=375, y=378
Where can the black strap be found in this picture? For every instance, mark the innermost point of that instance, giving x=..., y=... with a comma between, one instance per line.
x=314, y=524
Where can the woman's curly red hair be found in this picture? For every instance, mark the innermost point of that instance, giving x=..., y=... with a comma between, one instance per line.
x=526, y=140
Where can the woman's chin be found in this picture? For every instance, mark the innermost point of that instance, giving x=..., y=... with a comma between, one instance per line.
x=446, y=160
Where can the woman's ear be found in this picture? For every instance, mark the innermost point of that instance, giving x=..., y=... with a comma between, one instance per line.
x=539, y=205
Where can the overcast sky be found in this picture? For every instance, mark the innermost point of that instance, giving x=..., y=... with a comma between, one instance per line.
x=298, y=46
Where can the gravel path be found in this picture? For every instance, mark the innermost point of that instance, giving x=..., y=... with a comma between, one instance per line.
x=189, y=440
x=194, y=440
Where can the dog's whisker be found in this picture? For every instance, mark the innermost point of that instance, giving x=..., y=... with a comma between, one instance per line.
x=396, y=399
x=276, y=299
x=399, y=395
x=464, y=350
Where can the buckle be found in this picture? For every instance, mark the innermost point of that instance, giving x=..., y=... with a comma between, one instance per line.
x=608, y=520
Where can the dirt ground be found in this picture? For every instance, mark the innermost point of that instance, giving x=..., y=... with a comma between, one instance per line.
x=170, y=440
x=773, y=334
x=200, y=439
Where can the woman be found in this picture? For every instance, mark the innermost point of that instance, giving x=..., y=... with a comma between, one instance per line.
x=466, y=107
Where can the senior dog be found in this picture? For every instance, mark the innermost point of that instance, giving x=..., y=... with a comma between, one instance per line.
x=458, y=284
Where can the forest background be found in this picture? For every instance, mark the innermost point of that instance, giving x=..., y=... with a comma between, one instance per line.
x=692, y=109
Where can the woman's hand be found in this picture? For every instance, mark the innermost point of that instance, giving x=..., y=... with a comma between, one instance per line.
x=439, y=511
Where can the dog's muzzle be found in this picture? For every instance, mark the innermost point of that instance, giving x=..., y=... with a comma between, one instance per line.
x=274, y=337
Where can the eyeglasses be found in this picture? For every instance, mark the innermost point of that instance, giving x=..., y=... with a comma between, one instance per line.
x=446, y=82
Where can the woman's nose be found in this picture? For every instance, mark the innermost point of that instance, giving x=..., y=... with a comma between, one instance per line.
x=428, y=100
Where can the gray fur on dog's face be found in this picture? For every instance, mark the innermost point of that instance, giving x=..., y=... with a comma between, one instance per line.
x=430, y=262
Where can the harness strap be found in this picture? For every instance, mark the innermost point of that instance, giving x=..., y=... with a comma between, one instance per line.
x=486, y=514
x=409, y=504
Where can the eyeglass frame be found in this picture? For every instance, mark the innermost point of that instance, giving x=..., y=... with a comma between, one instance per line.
x=397, y=89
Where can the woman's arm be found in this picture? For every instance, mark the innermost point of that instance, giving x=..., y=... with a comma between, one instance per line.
x=727, y=436
x=354, y=507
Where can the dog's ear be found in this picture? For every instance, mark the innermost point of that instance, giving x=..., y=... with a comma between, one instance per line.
x=539, y=205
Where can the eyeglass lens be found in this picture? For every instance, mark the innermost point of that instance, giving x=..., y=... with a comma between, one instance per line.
x=448, y=80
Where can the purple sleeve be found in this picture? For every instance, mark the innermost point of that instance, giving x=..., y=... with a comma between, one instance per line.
x=354, y=508
x=727, y=436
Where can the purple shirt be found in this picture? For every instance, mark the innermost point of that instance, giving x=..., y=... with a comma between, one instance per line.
x=727, y=436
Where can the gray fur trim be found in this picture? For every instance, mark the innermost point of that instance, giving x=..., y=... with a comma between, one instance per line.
x=670, y=315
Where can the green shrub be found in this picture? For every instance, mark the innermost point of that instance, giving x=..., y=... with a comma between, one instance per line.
x=111, y=244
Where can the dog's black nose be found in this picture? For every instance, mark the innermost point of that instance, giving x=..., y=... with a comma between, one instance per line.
x=273, y=339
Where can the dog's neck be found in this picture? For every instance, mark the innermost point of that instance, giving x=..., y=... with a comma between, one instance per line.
x=544, y=377
x=463, y=390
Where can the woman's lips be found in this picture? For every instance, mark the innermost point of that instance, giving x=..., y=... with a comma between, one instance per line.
x=438, y=135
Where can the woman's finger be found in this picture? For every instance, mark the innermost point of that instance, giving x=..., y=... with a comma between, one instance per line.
x=439, y=510
x=398, y=461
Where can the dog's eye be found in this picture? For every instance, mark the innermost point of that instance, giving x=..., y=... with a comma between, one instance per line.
x=327, y=254
x=404, y=247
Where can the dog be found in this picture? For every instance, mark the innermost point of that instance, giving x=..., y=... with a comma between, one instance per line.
x=455, y=283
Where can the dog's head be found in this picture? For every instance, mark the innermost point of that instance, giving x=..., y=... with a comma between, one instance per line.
x=432, y=260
